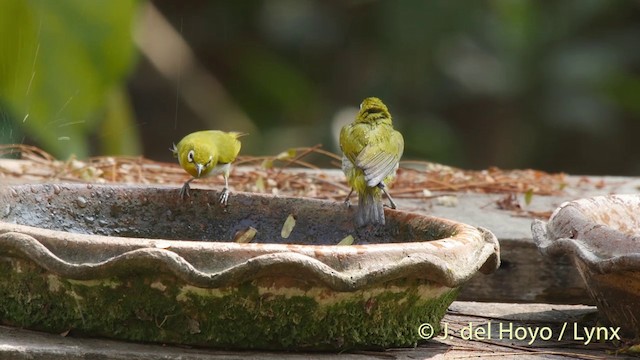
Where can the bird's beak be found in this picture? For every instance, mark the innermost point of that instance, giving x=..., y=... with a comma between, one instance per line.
x=199, y=167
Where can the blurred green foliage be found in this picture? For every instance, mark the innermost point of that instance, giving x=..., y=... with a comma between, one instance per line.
x=63, y=66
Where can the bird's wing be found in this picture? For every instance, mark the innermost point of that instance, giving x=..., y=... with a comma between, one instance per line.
x=348, y=147
x=347, y=165
x=381, y=160
x=227, y=145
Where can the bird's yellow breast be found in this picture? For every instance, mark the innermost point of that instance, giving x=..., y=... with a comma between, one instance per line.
x=207, y=149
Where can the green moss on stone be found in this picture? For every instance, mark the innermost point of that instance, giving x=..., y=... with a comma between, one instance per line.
x=157, y=307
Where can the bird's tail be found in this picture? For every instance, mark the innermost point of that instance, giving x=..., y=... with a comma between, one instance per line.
x=370, y=209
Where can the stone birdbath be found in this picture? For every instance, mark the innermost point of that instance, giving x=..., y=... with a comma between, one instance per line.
x=601, y=236
x=139, y=263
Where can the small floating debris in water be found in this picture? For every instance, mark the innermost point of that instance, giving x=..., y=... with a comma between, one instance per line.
x=245, y=236
x=346, y=241
x=287, y=228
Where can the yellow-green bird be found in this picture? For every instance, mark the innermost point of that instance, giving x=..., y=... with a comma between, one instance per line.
x=205, y=153
x=371, y=153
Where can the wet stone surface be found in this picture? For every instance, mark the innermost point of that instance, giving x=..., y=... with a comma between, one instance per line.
x=158, y=212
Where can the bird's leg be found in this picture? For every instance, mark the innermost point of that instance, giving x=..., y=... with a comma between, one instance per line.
x=346, y=201
x=224, y=196
x=384, y=190
x=184, y=191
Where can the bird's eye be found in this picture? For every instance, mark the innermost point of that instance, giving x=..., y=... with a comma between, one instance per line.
x=190, y=156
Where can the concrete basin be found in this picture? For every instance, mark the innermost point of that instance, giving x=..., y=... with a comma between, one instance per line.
x=601, y=236
x=139, y=263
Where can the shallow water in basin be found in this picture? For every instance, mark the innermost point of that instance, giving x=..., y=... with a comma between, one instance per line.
x=158, y=212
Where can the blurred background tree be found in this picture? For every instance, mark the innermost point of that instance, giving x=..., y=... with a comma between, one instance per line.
x=63, y=67
x=553, y=85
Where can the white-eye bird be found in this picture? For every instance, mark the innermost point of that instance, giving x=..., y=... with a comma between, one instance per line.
x=205, y=153
x=371, y=154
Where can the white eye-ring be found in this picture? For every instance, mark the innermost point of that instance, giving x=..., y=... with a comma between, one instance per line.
x=190, y=156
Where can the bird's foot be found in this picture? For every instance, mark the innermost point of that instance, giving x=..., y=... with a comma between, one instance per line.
x=392, y=204
x=346, y=200
x=224, y=196
x=184, y=191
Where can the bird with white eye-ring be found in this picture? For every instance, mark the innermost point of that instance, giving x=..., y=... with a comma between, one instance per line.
x=205, y=153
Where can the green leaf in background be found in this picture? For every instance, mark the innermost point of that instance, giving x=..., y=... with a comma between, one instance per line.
x=60, y=64
x=528, y=196
x=118, y=133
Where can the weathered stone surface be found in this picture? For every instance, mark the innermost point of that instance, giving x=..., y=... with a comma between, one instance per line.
x=524, y=275
x=601, y=235
x=109, y=260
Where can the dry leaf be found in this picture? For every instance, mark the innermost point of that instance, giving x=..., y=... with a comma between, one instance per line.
x=447, y=200
x=286, y=155
x=287, y=228
x=528, y=196
x=346, y=241
x=267, y=163
x=245, y=236
x=509, y=202
x=260, y=187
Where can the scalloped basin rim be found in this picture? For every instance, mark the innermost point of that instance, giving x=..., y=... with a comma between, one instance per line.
x=597, y=230
x=94, y=257
x=449, y=262
x=600, y=236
